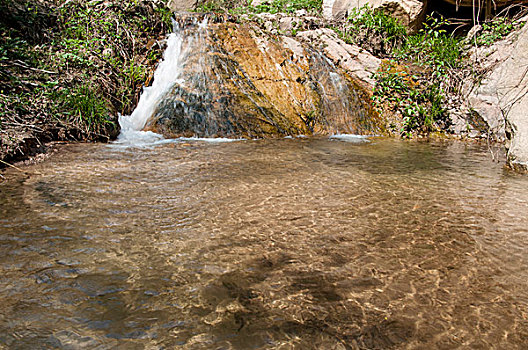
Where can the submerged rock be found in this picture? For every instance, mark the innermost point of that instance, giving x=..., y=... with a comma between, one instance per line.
x=238, y=81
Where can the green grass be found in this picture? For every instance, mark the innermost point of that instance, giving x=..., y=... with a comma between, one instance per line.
x=77, y=65
x=275, y=6
x=367, y=22
x=86, y=109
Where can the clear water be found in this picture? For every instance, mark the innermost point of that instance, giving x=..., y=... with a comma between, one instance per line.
x=279, y=244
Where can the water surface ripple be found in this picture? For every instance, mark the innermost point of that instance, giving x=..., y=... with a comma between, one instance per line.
x=277, y=244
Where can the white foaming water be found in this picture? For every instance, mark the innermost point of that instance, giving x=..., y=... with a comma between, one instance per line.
x=166, y=76
x=148, y=140
x=350, y=138
x=209, y=139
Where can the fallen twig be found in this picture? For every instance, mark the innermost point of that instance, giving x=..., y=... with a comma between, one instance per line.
x=12, y=166
x=25, y=125
x=24, y=65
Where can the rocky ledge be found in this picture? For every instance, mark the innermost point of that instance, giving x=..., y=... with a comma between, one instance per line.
x=501, y=96
x=239, y=80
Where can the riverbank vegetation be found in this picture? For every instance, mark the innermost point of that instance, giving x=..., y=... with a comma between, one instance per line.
x=421, y=70
x=69, y=67
x=313, y=7
x=418, y=71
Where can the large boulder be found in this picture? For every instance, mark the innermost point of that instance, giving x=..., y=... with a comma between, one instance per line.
x=501, y=98
x=410, y=13
x=237, y=80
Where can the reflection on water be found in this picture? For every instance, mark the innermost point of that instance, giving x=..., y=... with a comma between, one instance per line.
x=295, y=243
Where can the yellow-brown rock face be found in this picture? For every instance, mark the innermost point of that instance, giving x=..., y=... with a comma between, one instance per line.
x=240, y=82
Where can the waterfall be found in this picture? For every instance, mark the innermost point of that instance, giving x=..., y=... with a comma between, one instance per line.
x=167, y=74
x=231, y=80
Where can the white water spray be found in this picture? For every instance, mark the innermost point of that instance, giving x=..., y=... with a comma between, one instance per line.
x=167, y=74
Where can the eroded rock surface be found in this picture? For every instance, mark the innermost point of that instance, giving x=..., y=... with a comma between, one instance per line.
x=411, y=13
x=239, y=81
x=182, y=5
x=501, y=98
x=352, y=58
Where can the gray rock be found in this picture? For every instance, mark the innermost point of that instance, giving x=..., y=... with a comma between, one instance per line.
x=358, y=62
x=286, y=23
x=501, y=98
x=268, y=25
x=411, y=13
x=182, y=5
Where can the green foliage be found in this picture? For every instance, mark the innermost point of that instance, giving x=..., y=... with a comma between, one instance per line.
x=272, y=6
x=165, y=15
x=368, y=22
x=289, y=6
x=210, y=6
x=13, y=47
x=85, y=108
x=420, y=105
x=419, y=98
x=494, y=30
x=73, y=65
x=432, y=47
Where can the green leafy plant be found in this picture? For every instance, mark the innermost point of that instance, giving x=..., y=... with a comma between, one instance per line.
x=494, y=30
x=419, y=104
x=432, y=55
x=378, y=22
x=289, y=6
x=272, y=6
x=432, y=46
x=86, y=108
x=374, y=30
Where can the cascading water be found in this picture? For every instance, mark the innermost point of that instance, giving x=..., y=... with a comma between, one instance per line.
x=168, y=73
x=231, y=80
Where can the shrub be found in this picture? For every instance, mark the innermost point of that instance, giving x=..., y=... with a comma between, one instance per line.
x=495, y=30
x=431, y=54
x=373, y=30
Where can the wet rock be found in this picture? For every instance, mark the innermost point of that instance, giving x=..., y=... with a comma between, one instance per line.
x=410, y=13
x=361, y=64
x=240, y=81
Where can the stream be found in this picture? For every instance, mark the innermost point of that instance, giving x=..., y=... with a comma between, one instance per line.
x=294, y=243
